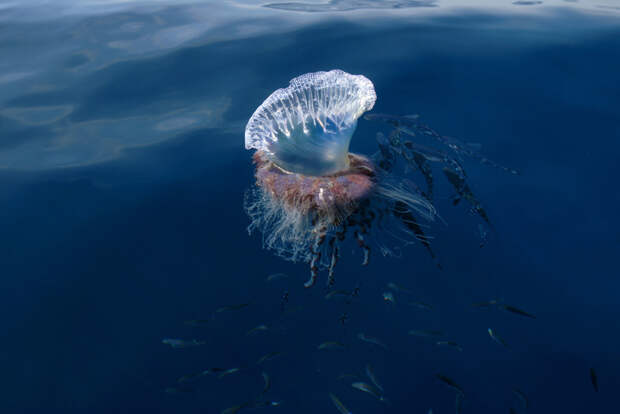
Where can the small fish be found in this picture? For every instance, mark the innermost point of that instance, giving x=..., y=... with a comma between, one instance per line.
x=362, y=337
x=197, y=322
x=497, y=338
x=397, y=288
x=594, y=379
x=485, y=304
x=451, y=344
x=267, y=383
x=517, y=311
x=371, y=375
x=425, y=333
x=421, y=305
x=267, y=357
x=333, y=293
x=521, y=396
x=181, y=343
x=257, y=329
x=450, y=383
x=331, y=345
x=370, y=389
x=228, y=372
x=339, y=405
x=276, y=276
x=258, y=404
x=193, y=376
x=236, y=408
x=213, y=370
x=232, y=308
x=388, y=297
x=458, y=403
x=177, y=390
x=345, y=376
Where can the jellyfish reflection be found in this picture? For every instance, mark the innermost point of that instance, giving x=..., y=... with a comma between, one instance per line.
x=311, y=193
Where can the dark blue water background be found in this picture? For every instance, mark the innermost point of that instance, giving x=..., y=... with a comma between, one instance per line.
x=121, y=209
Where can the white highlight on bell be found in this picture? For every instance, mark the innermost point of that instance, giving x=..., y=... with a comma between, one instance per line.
x=307, y=127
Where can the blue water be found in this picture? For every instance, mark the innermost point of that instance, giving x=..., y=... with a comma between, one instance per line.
x=123, y=177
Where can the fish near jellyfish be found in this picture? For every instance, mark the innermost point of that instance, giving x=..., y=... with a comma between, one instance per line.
x=311, y=193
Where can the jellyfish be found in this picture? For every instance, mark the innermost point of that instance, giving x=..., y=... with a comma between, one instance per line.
x=311, y=193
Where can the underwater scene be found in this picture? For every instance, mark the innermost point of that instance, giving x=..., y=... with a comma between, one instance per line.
x=309, y=206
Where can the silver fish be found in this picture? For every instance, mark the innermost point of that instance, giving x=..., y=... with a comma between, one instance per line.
x=451, y=344
x=339, y=405
x=276, y=276
x=267, y=357
x=193, y=376
x=362, y=337
x=257, y=329
x=516, y=311
x=388, y=297
x=370, y=389
x=182, y=343
x=485, y=304
x=267, y=380
x=450, y=383
x=331, y=345
x=333, y=293
x=497, y=338
x=421, y=305
x=236, y=408
x=371, y=375
x=228, y=372
x=521, y=396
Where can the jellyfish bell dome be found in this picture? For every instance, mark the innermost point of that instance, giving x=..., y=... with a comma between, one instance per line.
x=306, y=128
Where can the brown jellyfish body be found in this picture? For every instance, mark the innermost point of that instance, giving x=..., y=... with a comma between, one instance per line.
x=331, y=197
x=310, y=190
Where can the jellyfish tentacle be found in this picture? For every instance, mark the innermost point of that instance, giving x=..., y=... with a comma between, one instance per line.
x=409, y=124
x=401, y=211
x=386, y=162
x=316, y=258
x=463, y=191
x=335, y=255
x=342, y=232
x=362, y=244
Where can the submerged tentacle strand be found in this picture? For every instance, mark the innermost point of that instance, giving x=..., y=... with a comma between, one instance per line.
x=333, y=246
x=316, y=258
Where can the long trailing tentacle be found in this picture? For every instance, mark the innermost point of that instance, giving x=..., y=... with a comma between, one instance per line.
x=316, y=258
x=410, y=124
x=419, y=157
x=362, y=244
x=463, y=191
x=335, y=255
x=401, y=211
